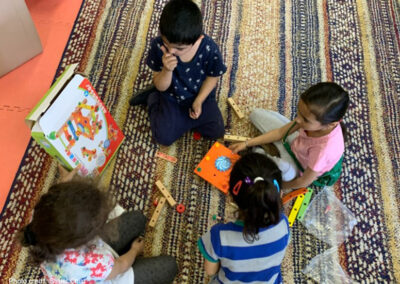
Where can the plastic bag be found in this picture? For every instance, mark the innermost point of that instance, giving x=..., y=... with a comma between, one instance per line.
x=325, y=268
x=328, y=219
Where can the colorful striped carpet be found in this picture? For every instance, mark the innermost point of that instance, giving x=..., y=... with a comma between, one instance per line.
x=273, y=50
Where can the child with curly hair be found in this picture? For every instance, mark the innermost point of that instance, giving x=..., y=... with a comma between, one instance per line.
x=72, y=242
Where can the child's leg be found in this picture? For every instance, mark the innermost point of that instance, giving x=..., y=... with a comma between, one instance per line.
x=129, y=225
x=289, y=171
x=267, y=120
x=155, y=270
x=210, y=124
x=168, y=120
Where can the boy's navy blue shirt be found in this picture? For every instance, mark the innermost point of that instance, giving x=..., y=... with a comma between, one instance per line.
x=188, y=77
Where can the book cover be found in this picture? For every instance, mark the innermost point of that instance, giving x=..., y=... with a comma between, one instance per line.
x=80, y=127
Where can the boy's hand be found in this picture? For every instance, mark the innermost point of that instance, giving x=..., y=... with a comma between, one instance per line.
x=195, y=110
x=237, y=147
x=168, y=59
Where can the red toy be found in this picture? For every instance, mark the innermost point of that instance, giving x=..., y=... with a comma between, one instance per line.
x=207, y=168
x=155, y=202
x=196, y=135
x=180, y=208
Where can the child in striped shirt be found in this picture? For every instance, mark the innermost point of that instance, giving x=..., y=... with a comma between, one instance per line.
x=251, y=249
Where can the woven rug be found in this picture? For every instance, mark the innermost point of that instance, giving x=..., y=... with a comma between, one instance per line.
x=274, y=50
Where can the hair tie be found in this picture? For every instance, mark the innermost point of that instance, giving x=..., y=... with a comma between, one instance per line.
x=248, y=180
x=29, y=236
x=258, y=179
x=276, y=184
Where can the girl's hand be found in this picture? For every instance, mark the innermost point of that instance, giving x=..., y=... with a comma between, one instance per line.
x=237, y=147
x=168, y=59
x=195, y=111
x=138, y=245
x=125, y=261
x=65, y=175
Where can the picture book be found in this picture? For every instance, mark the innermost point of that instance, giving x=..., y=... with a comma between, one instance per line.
x=80, y=129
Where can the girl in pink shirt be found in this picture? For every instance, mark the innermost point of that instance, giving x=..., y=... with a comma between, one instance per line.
x=315, y=140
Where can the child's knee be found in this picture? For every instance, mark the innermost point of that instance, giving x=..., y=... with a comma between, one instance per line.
x=217, y=131
x=138, y=215
x=170, y=265
x=134, y=219
x=164, y=138
x=289, y=172
x=212, y=130
x=256, y=114
x=163, y=133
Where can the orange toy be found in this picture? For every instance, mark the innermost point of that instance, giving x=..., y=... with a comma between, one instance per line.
x=293, y=194
x=207, y=167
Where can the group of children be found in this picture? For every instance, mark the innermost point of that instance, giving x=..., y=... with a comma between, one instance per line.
x=69, y=236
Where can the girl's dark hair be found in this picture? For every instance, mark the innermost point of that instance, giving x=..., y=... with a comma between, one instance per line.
x=327, y=101
x=259, y=203
x=181, y=22
x=69, y=215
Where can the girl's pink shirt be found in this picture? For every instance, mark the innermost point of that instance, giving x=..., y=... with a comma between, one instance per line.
x=319, y=153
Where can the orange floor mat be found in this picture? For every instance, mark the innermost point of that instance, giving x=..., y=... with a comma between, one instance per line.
x=22, y=88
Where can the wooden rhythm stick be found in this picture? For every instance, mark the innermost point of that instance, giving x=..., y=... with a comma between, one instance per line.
x=235, y=107
x=157, y=212
x=166, y=193
x=166, y=157
x=235, y=138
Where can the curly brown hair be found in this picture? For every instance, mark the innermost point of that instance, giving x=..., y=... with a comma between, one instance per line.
x=69, y=215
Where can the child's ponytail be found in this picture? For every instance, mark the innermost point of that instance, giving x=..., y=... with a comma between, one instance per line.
x=254, y=184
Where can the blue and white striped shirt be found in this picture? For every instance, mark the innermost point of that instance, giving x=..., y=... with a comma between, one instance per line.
x=243, y=262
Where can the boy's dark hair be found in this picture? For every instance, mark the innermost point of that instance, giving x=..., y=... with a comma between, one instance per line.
x=69, y=215
x=260, y=203
x=181, y=22
x=327, y=101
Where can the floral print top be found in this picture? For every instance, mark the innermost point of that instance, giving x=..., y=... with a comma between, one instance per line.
x=88, y=264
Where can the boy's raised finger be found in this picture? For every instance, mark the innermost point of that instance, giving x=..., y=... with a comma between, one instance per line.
x=171, y=58
x=164, y=50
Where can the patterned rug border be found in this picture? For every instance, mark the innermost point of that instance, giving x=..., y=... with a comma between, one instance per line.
x=110, y=39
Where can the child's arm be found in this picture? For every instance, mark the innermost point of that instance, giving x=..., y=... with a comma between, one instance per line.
x=125, y=261
x=211, y=268
x=305, y=180
x=162, y=80
x=65, y=175
x=206, y=88
x=268, y=137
